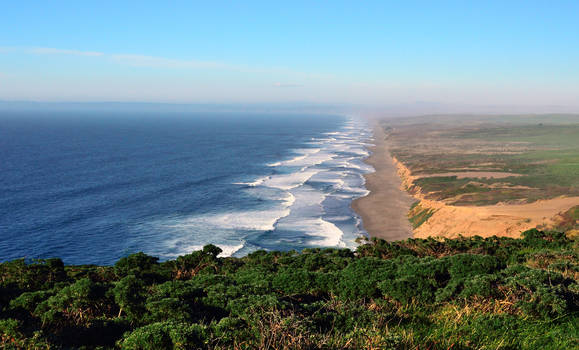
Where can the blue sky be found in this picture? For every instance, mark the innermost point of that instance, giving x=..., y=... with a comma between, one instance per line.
x=383, y=52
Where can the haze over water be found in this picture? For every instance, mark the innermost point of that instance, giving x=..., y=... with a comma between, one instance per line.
x=94, y=188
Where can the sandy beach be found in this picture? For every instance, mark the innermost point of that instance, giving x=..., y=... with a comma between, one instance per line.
x=507, y=217
x=384, y=210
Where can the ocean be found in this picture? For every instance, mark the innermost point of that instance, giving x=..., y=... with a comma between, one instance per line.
x=91, y=188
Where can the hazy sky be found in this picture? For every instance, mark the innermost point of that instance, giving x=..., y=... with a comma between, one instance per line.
x=383, y=52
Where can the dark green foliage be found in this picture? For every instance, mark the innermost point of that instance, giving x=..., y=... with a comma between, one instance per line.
x=417, y=279
x=229, y=329
x=463, y=268
x=165, y=335
x=516, y=293
x=12, y=337
x=360, y=278
x=130, y=294
x=482, y=285
x=136, y=264
x=76, y=304
x=201, y=261
x=17, y=276
x=29, y=300
x=541, y=293
x=173, y=300
x=540, y=239
x=219, y=290
x=291, y=281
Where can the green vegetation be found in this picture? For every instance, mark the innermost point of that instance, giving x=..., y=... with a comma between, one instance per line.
x=418, y=215
x=466, y=293
x=570, y=219
x=543, y=149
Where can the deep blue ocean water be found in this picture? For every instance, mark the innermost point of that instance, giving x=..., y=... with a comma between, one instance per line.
x=91, y=188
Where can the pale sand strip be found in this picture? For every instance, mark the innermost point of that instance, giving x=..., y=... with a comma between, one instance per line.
x=384, y=210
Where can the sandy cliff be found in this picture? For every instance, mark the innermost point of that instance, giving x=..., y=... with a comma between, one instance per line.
x=501, y=219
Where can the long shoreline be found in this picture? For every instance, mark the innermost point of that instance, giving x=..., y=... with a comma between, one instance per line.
x=384, y=210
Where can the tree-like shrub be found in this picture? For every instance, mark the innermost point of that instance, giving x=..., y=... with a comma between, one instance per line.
x=165, y=335
x=174, y=300
x=135, y=264
x=361, y=277
x=130, y=295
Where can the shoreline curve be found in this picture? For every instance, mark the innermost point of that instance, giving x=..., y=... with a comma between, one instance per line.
x=384, y=211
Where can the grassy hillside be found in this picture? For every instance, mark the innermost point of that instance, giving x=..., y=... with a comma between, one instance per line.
x=467, y=293
x=537, y=157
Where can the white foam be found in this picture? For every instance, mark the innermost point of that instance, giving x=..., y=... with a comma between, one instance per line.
x=258, y=220
x=302, y=153
x=307, y=202
x=360, y=192
x=180, y=249
x=229, y=250
x=257, y=182
x=289, y=200
x=323, y=233
x=330, y=177
x=339, y=218
x=312, y=160
x=358, y=151
x=296, y=202
x=289, y=181
x=316, y=143
x=293, y=160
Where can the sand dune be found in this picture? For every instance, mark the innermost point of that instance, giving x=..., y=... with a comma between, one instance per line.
x=500, y=219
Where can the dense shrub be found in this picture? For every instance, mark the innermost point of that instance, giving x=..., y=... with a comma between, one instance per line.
x=165, y=335
x=130, y=294
x=460, y=293
x=135, y=264
x=11, y=337
x=174, y=300
x=541, y=293
x=360, y=278
x=77, y=303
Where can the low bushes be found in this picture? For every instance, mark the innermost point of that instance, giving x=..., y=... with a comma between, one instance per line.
x=462, y=293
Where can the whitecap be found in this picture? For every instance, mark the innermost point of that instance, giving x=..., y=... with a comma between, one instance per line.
x=323, y=233
x=301, y=153
x=180, y=249
x=249, y=220
x=257, y=182
x=289, y=181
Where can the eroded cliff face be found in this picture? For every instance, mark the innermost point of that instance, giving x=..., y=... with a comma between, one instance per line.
x=437, y=219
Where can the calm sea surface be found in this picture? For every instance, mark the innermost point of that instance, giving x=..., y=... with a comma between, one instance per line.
x=93, y=188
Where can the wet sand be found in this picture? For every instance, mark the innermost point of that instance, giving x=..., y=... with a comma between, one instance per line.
x=384, y=210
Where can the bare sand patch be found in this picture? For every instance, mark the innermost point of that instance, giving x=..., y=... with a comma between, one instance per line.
x=500, y=220
x=492, y=220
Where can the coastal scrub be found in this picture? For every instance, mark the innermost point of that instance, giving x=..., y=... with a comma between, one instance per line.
x=468, y=293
